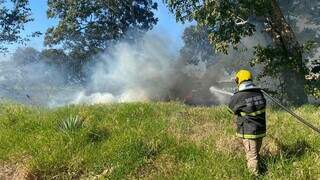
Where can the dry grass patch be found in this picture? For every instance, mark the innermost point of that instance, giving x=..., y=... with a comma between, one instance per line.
x=105, y=173
x=17, y=171
x=201, y=132
x=270, y=147
x=162, y=167
x=194, y=124
x=229, y=145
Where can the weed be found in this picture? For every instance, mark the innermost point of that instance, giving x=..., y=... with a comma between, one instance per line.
x=71, y=123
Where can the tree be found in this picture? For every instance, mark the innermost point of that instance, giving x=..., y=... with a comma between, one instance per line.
x=303, y=16
x=24, y=56
x=229, y=21
x=12, y=21
x=63, y=62
x=197, y=46
x=54, y=56
x=88, y=27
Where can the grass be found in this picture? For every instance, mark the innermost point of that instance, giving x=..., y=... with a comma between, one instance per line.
x=150, y=141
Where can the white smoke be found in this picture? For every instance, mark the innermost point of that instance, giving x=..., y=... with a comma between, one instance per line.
x=127, y=72
x=32, y=82
x=147, y=70
x=130, y=72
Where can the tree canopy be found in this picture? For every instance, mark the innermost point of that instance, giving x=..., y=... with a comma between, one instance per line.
x=14, y=14
x=90, y=26
x=26, y=55
x=196, y=47
x=229, y=21
x=304, y=18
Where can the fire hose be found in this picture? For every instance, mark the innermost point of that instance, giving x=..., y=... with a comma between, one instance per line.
x=299, y=118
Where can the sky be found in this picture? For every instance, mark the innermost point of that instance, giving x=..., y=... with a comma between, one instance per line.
x=166, y=26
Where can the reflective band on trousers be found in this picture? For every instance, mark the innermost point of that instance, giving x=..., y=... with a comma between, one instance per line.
x=251, y=136
x=253, y=113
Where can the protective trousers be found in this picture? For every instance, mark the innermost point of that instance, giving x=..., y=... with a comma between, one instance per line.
x=252, y=148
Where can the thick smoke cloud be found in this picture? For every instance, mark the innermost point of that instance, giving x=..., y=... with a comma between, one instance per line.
x=127, y=72
x=147, y=70
x=131, y=72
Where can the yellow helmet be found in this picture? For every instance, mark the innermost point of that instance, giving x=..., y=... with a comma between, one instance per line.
x=243, y=75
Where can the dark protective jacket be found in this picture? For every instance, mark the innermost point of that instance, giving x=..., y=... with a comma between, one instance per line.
x=249, y=105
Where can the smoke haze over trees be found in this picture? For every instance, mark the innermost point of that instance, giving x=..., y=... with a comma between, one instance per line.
x=197, y=46
x=79, y=63
x=229, y=21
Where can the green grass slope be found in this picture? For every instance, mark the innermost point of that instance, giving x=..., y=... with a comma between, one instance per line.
x=149, y=141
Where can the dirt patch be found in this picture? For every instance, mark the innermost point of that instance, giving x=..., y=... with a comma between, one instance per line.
x=10, y=171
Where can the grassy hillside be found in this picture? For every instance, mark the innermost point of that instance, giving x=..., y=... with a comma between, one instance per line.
x=149, y=141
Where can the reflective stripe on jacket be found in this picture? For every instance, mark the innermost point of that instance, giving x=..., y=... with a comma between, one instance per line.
x=256, y=113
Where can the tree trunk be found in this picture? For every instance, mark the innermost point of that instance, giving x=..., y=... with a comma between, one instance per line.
x=292, y=78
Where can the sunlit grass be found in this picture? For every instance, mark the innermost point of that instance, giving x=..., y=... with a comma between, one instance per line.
x=151, y=141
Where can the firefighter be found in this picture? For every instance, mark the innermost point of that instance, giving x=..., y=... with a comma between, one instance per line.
x=248, y=104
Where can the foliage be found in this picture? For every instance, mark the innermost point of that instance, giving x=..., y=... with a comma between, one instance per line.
x=313, y=76
x=48, y=59
x=28, y=55
x=12, y=21
x=62, y=62
x=196, y=47
x=87, y=27
x=304, y=19
x=227, y=21
x=24, y=56
x=54, y=56
x=274, y=60
x=152, y=141
x=303, y=16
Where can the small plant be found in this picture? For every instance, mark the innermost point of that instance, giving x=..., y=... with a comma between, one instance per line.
x=98, y=134
x=71, y=123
